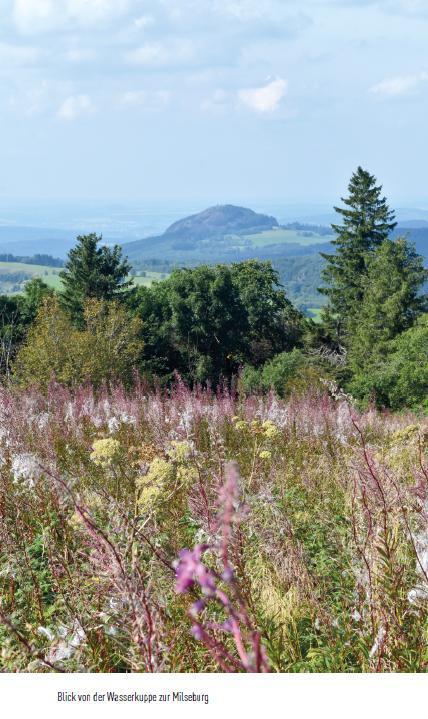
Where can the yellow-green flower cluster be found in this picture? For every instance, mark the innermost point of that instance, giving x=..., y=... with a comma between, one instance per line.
x=179, y=451
x=151, y=487
x=406, y=434
x=265, y=454
x=270, y=430
x=105, y=452
x=166, y=475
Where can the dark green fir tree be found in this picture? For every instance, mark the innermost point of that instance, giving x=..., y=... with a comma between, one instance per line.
x=93, y=272
x=366, y=223
x=393, y=301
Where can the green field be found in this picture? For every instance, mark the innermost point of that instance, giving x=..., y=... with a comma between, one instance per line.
x=50, y=275
x=36, y=270
x=149, y=278
x=280, y=236
x=11, y=269
x=315, y=313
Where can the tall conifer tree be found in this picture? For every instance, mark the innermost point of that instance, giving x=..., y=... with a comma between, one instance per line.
x=393, y=301
x=366, y=223
x=93, y=272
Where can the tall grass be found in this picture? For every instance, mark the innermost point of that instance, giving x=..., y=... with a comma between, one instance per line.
x=191, y=531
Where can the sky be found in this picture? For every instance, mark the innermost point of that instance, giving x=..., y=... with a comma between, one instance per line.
x=216, y=100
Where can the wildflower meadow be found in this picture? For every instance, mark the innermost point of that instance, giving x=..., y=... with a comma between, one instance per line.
x=199, y=531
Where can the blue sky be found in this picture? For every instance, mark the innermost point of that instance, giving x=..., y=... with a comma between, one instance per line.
x=212, y=99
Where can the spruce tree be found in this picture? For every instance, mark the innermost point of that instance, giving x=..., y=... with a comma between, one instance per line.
x=366, y=223
x=392, y=303
x=93, y=272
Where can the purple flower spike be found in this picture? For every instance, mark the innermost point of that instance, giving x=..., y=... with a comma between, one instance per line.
x=227, y=626
x=206, y=580
x=190, y=568
x=227, y=575
x=197, y=608
x=197, y=632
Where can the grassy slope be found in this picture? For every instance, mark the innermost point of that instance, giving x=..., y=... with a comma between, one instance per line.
x=149, y=278
x=47, y=274
x=214, y=249
x=38, y=270
x=280, y=236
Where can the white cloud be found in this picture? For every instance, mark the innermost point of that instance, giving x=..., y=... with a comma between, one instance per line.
x=75, y=106
x=149, y=54
x=143, y=22
x=92, y=12
x=248, y=10
x=77, y=55
x=36, y=100
x=407, y=7
x=32, y=16
x=38, y=97
x=134, y=98
x=219, y=97
x=400, y=85
x=30, y=102
x=265, y=98
x=145, y=99
x=157, y=54
x=217, y=102
x=17, y=55
x=231, y=17
x=35, y=16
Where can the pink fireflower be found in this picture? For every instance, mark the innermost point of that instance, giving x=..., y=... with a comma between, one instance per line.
x=190, y=569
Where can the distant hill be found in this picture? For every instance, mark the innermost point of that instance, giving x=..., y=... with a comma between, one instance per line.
x=227, y=233
x=221, y=220
x=36, y=240
x=417, y=235
x=196, y=232
x=412, y=224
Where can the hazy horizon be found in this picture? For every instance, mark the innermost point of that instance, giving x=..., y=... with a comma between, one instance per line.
x=134, y=219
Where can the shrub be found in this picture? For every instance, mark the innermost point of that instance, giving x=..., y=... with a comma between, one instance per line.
x=399, y=379
x=275, y=374
x=107, y=348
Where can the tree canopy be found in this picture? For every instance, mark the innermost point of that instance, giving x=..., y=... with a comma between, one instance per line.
x=206, y=322
x=106, y=348
x=93, y=272
x=391, y=303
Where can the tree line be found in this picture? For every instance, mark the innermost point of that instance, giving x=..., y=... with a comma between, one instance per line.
x=233, y=323
x=38, y=259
